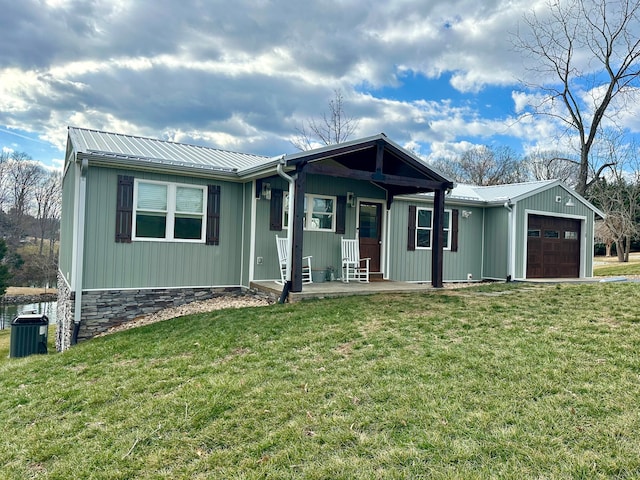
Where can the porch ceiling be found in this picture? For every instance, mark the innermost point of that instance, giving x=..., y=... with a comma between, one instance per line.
x=378, y=161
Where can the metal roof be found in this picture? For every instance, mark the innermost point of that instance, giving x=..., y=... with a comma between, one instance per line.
x=134, y=149
x=495, y=193
x=510, y=191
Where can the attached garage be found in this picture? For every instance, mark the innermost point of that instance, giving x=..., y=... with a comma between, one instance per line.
x=553, y=247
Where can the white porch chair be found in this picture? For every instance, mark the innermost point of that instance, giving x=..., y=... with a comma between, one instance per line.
x=353, y=267
x=281, y=243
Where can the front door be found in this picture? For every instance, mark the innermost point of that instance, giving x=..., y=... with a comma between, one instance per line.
x=370, y=233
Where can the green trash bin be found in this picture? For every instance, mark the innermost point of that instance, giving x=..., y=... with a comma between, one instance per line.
x=29, y=334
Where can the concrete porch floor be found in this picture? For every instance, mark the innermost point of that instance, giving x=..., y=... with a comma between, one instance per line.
x=339, y=289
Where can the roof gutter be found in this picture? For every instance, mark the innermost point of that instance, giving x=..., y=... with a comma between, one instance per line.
x=511, y=225
x=79, y=260
x=290, y=181
x=161, y=167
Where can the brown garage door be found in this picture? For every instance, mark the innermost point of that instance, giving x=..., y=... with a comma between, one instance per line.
x=553, y=247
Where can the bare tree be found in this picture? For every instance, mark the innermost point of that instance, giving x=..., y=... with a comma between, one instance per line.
x=589, y=52
x=23, y=174
x=484, y=165
x=552, y=165
x=617, y=194
x=47, y=198
x=334, y=127
x=602, y=234
x=4, y=182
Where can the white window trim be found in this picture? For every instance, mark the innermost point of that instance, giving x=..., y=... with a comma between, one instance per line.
x=308, y=215
x=171, y=212
x=447, y=229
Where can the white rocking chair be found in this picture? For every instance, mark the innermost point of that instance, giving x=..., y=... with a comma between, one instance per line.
x=281, y=243
x=354, y=267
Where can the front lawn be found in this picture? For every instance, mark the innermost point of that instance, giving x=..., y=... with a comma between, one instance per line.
x=500, y=381
x=617, y=269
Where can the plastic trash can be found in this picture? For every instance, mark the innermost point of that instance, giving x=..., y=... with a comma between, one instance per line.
x=29, y=335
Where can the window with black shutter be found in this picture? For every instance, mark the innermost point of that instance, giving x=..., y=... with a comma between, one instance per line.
x=275, y=210
x=213, y=215
x=341, y=214
x=124, y=209
x=411, y=233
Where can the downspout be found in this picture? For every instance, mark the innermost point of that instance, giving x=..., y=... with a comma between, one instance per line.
x=79, y=263
x=290, y=181
x=509, y=206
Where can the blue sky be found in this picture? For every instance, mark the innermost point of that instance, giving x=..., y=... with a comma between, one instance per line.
x=436, y=76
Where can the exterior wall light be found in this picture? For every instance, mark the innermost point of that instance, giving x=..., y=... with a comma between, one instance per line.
x=266, y=191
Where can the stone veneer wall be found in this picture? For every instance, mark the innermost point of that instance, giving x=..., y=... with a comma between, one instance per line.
x=64, y=314
x=104, y=309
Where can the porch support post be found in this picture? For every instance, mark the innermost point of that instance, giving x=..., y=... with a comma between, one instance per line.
x=298, y=230
x=438, y=243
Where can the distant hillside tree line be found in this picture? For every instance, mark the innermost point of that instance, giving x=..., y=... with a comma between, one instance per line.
x=30, y=204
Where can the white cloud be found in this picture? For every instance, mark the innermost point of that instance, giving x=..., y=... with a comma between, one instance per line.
x=244, y=78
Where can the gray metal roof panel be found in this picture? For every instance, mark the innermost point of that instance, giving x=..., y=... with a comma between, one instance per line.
x=143, y=149
x=511, y=191
x=494, y=193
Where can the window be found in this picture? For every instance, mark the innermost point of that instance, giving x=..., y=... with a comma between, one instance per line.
x=320, y=217
x=551, y=234
x=533, y=232
x=168, y=211
x=570, y=235
x=424, y=228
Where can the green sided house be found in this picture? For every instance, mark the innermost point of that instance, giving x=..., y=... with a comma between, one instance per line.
x=148, y=224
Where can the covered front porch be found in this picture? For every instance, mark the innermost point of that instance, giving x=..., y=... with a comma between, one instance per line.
x=374, y=161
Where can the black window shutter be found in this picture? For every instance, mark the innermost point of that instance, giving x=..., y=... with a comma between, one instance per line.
x=275, y=212
x=213, y=215
x=454, y=230
x=124, y=209
x=411, y=239
x=341, y=214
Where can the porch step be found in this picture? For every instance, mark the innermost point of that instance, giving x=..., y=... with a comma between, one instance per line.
x=376, y=277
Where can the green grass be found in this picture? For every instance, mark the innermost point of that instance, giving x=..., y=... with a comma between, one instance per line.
x=501, y=381
x=618, y=269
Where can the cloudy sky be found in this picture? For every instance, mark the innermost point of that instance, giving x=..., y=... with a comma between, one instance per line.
x=434, y=75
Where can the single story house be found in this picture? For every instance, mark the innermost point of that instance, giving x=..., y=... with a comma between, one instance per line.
x=148, y=223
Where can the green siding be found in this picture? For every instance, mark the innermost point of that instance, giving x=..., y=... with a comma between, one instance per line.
x=496, y=239
x=405, y=265
x=246, y=237
x=65, y=260
x=324, y=247
x=157, y=264
x=544, y=203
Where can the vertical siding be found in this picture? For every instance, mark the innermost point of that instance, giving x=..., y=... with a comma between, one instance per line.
x=496, y=240
x=65, y=260
x=545, y=203
x=157, y=264
x=415, y=265
x=246, y=238
x=324, y=247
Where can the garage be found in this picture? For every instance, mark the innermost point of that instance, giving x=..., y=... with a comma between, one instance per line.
x=553, y=247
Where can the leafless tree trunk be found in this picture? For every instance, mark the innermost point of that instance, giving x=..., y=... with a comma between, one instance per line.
x=47, y=196
x=334, y=127
x=588, y=51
